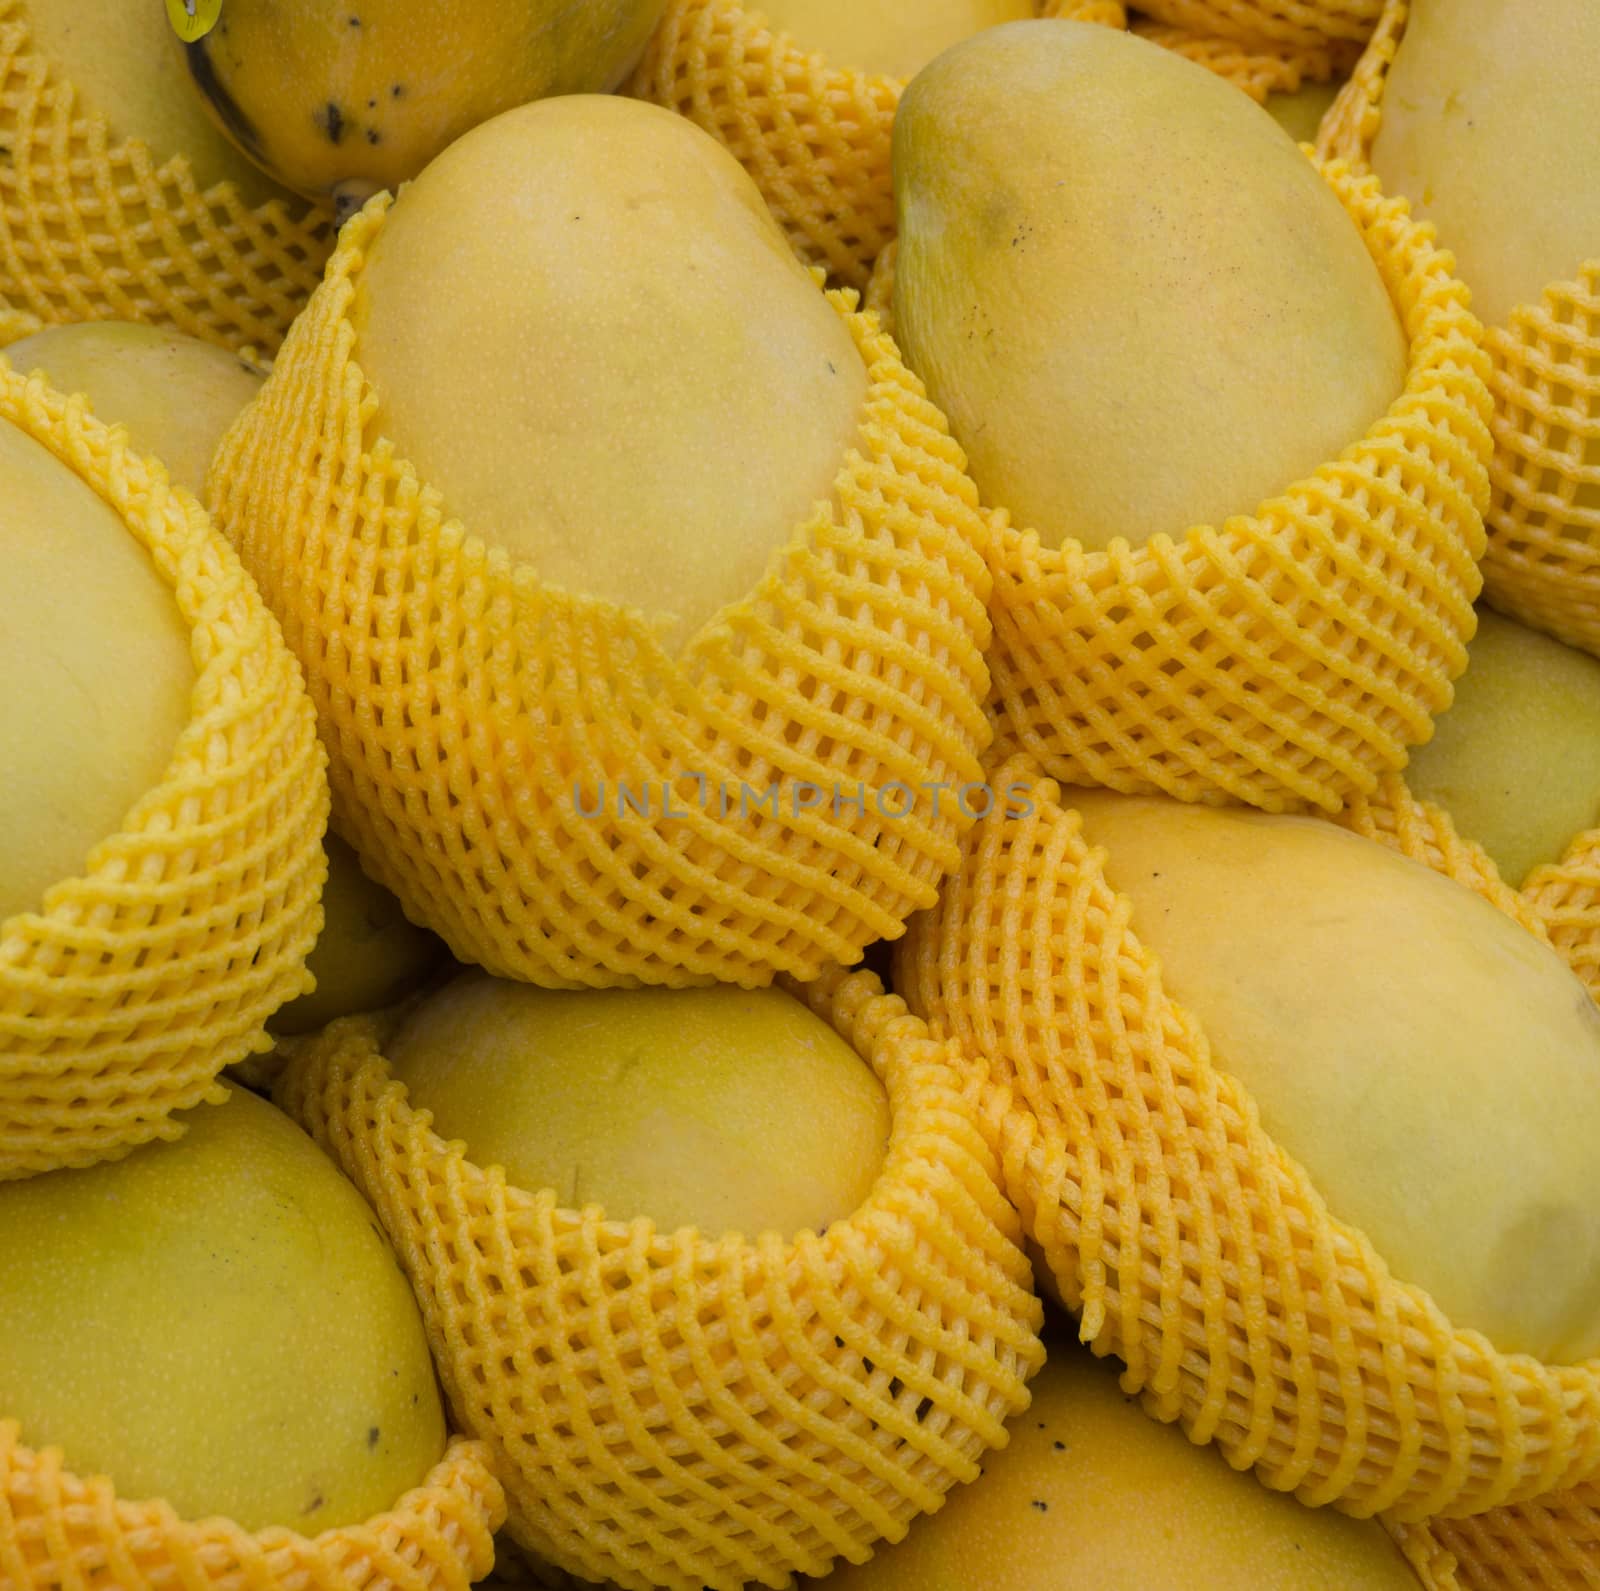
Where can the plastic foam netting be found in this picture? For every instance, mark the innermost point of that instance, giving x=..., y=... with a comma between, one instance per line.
x=670, y=1411
x=133, y=985
x=1258, y=69
x=1192, y=1245
x=475, y=717
x=1552, y=1544
x=60, y=1532
x=95, y=229
x=814, y=134
x=1291, y=656
x=1301, y=24
x=1543, y=560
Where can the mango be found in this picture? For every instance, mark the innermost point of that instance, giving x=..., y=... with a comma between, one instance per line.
x=1139, y=304
x=1488, y=128
x=1300, y=113
x=122, y=62
x=339, y=98
x=1432, y=1065
x=175, y=394
x=1091, y=1495
x=1516, y=760
x=718, y=1108
x=368, y=955
x=218, y=1322
x=96, y=672
x=615, y=368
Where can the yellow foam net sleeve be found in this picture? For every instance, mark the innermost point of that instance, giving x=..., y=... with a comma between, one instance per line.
x=1313, y=24
x=133, y=985
x=1258, y=69
x=814, y=134
x=96, y=229
x=477, y=719
x=1289, y=656
x=60, y=1532
x=1193, y=1247
x=672, y=1412
x=1543, y=560
x=1552, y=1544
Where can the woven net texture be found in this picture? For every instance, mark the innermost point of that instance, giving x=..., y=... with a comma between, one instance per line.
x=672, y=1412
x=1542, y=565
x=59, y=1532
x=476, y=718
x=1552, y=1544
x=1193, y=1246
x=1289, y=657
x=132, y=986
x=95, y=229
x=1299, y=24
x=1258, y=69
x=814, y=135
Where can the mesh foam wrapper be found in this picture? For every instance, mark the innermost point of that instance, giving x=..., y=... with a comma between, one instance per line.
x=1543, y=560
x=473, y=713
x=60, y=1532
x=671, y=1411
x=1192, y=1245
x=1257, y=69
x=94, y=229
x=1551, y=1544
x=1300, y=24
x=814, y=135
x=133, y=985
x=1293, y=655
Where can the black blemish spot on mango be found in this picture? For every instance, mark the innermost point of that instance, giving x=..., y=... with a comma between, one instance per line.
x=1044, y=1508
x=373, y=1433
x=397, y=90
x=330, y=122
x=1061, y=1447
x=203, y=73
x=355, y=22
x=374, y=136
x=319, y=1501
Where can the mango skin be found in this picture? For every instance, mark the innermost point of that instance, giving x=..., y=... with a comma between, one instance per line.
x=1300, y=114
x=218, y=1322
x=617, y=370
x=1432, y=1065
x=1516, y=760
x=97, y=674
x=1140, y=306
x=175, y=394
x=886, y=36
x=719, y=1108
x=1488, y=127
x=1092, y=1495
x=368, y=954
x=339, y=98
x=120, y=59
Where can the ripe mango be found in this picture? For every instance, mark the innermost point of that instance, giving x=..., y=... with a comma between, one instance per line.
x=1432, y=1065
x=1138, y=303
x=584, y=328
x=720, y=1108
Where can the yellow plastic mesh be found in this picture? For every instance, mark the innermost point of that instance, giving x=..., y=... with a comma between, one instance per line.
x=1300, y=23
x=1258, y=69
x=59, y=1532
x=1552, y=1544
x=1192, y=1245
x=474, y=714
x=1542, y=565
x=815, y=136
x=671, y=1412
x=1566, y=898
x=1291, y=656
x=133, y=985
x=93, y=229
